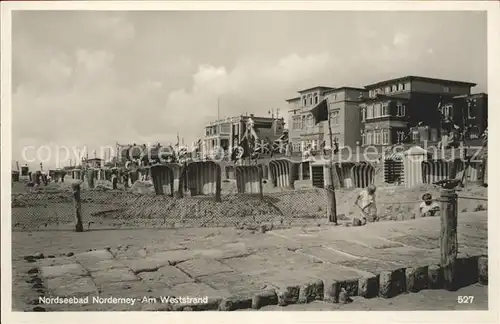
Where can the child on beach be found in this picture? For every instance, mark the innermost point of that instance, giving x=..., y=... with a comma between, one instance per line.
x=366, y=202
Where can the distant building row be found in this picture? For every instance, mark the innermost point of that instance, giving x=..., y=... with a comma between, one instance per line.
x=386, y=112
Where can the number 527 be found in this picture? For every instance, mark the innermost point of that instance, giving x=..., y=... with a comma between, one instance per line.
x=465, y=299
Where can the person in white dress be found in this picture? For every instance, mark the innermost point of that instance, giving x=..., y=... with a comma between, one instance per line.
x=367, y=203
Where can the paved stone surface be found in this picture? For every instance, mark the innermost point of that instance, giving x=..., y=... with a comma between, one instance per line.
x=202, y=267
x=72, y=269
x=165, y=276
x=69, y=286
x=227, y=262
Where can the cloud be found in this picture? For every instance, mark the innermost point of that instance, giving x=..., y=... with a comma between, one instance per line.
x=401, y=39
x=250, y=87
x=94, y=108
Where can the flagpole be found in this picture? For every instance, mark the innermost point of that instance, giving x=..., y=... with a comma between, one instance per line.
x=332, y=200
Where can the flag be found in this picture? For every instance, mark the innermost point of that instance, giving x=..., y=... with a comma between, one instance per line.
x=440, y=102
x=320, y=112
x=242, y=151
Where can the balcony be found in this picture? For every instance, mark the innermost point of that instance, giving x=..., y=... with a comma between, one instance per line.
x=312, y=130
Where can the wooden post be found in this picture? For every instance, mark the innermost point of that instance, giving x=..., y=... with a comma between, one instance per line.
x=182, y=180
x=449, y=238
x=332, y=200
x=261, y=189
x=77, y=203
x=218, y=184
x=90, y=178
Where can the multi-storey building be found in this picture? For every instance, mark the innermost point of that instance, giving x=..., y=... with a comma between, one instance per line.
x=344, y=117
x=228, y=132
x=395, y=106
x=469, y=112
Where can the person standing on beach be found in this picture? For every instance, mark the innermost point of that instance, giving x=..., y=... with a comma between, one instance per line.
x=366, y=202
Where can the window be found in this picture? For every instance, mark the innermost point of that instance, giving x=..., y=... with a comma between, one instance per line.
x=470, y=106
x=304, y=101
x=310, y=121
x=387, y=89
x=385, y=137
x=415, y=135
x=315, y=100
x=385, y=109
x=296, y=122
x=377, y=138
x=394, y=88
x=400, y=136
x=377, y=111
x=369, y=111
x=310, y=100
x=446, y=111
x=446, y=89
x=335, y=117
x=363, y=114
x=400, y=109
x=303, y=122
x=225, y=128
x=370, y=94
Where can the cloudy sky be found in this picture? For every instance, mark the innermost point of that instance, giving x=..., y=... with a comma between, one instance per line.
x=93, y=78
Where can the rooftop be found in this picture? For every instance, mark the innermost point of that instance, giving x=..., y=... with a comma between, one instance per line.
x=419, y=78
x=316, y=87
x=344, y=88
x=240, y=117
x=380, y=97
x=292, y=99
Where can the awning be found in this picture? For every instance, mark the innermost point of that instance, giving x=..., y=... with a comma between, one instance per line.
x=395, y=156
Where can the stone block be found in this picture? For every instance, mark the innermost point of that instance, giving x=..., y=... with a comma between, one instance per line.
x=435, y=279
x=392, y=283
x=73, y=269
x=264, y=298
x=311, y=291
x=236, y=283
x=114, y=275
x=93, y=256
x=195, y=290
x=203, y=267
x=417, y=278
x=135, y=289
x=105, y=265
x=70, y=286
x=164, y=277
x=235, y=302
x=483, y=270
x=368, y=287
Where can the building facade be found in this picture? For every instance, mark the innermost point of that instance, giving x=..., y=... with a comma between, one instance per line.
x=343, y=106
x=469, y=112
x=94, y=163
x=228, y=132
x=394, y=107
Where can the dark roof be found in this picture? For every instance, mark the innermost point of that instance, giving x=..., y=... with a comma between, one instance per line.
x=344, y=88
x=316, y=87
x=419, y=78
x=473, y=95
